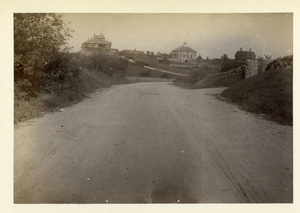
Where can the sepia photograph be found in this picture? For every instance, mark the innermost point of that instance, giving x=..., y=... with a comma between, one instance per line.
x=170, y=108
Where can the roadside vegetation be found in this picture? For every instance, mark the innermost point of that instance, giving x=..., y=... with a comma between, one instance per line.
x=46, y=75
x=218, y=81
x=196, y=74
x=269, y=94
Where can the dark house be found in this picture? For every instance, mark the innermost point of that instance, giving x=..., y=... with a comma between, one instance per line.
x=244, y=55
x=97, y=44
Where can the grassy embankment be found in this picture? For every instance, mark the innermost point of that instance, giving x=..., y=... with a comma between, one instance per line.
x=269, y=93
x=214, y=81
x=58, y=93
x=205, y=69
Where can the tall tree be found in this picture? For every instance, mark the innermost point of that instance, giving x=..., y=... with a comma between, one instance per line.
x=36, y=37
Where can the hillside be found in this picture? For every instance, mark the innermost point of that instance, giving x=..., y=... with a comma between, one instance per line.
x=222, y=81
x=269, y=94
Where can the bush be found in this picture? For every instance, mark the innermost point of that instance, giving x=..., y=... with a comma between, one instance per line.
x=59, y=73
x=63, y=82
x=198, y=74
x=62, y=71
x=103, y=62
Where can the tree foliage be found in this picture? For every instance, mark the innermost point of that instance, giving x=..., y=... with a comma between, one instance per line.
x=36, y=37
x=103, y=62
x=224, y=57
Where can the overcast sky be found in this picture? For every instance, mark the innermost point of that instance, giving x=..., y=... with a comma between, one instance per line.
x=210, y=35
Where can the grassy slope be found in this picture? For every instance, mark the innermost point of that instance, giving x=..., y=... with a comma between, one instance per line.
x=213, y=81
x=270, y=93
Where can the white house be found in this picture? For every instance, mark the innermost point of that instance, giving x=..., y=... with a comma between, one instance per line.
x=184, y=54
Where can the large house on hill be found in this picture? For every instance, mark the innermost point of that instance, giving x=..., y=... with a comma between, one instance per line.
x=244, y=55
x=97, y=44
x=184, y=54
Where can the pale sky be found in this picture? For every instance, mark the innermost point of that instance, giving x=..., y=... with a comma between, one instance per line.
x=210, y=35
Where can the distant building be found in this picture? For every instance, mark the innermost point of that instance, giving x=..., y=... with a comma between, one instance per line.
x=184, y=54
x=244, y=55
x=162, y=55
x=132, y=53
x=97, y=44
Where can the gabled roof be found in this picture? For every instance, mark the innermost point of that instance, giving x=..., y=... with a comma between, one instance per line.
x=244, y=53
x=97, y=39
x=184, y=48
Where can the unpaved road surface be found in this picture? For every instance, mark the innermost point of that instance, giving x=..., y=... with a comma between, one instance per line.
x=153, y=142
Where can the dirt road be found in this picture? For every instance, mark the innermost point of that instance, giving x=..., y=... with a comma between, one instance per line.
x=152, y=142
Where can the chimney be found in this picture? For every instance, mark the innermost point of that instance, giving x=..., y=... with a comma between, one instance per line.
x=184, y=43
x=250, y=50
x=241, y=49
x=94, y=34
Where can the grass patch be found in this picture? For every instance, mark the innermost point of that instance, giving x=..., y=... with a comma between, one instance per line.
x=214, y=81
x=133, y=70
x=183, y=82
x=197, y=74
x=269, y=93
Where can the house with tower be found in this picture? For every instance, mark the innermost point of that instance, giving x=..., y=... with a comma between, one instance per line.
x=97, y=43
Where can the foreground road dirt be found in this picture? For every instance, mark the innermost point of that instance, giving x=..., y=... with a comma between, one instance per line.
x=153, y=142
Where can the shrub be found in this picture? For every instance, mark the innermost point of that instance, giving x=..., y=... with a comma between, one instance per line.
x=63, y=82
x=59, y=73
x=198, y=74
x=103, y=62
